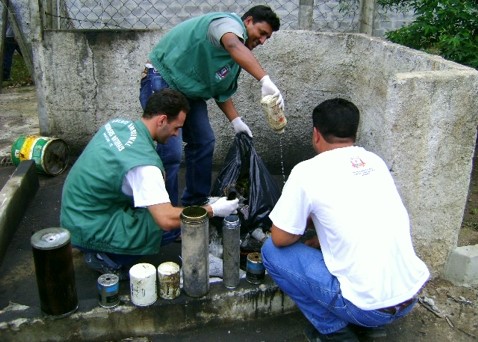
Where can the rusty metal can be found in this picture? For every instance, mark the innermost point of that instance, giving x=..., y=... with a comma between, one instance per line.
x=169, y=280
x=108, y=288
x=255, y=270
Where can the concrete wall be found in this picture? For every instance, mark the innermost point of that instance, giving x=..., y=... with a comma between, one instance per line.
x=419, y=112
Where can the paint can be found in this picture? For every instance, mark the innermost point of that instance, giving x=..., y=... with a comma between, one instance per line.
x=195, y=251
x=108, y=288
x=169, y=280
x=255, y=270
x=55, y=275
x=51, y=155
x=142, y=281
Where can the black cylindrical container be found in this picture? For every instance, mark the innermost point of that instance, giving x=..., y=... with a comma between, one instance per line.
x=231, y=229
x=195, y=251
x=54, y=271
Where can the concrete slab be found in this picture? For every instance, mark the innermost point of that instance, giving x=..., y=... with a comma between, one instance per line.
x=462, y=266
x=15, y=195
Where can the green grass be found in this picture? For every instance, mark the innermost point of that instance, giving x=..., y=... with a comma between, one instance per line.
x=19, y=74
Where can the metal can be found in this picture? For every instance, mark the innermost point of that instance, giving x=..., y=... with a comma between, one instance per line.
x=255, y=270
x=195, y=251
x=231, y=251
x=55, y=272
x=108, y=288
x=169, y=280
x=142, y=282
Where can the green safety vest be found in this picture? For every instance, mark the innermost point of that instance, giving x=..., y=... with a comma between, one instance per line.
x=94, y=209
x=190, y=63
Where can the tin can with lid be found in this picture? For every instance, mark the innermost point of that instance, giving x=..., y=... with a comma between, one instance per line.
x=55, y=275
x=108, y=290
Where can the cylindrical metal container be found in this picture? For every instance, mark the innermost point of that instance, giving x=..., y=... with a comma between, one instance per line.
x=231, y=229
x=54, y=270
x=108, y=288
x=51, y=155
x=169, y=280
x=255, y=270
x=195, y=251
x=142, y=281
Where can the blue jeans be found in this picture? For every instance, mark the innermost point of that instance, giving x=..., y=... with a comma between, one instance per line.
x=125, y=261
x=199, y=140
x=300, y=272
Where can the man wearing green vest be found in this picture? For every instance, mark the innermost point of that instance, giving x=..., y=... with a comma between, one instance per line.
x=114, y=199
x=202, y=58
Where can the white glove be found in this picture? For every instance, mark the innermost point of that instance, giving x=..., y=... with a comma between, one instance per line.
x=222, y=207
x=269, y=88
x=240, y=126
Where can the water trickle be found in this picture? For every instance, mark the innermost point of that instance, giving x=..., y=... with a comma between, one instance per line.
x=281, y=158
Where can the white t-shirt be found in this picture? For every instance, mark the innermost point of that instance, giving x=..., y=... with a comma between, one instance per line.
x=361, y=222
x=221, y=26
x=146, y=185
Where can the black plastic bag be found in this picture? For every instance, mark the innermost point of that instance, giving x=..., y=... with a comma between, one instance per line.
x=245, y=173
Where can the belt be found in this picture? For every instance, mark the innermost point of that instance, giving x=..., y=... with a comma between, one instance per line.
x=392, y=310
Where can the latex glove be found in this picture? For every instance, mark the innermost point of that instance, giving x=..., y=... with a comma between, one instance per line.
x=240, y=126
x=269, y=88
x=222, y=207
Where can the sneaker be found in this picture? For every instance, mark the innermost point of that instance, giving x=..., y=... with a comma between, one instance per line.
x=97, y=262
x=343, y=335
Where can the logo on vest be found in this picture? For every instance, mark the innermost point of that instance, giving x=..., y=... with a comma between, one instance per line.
x=113, y=140
x=222, y=73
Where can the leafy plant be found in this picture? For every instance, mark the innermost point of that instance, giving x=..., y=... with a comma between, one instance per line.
x=444, y=27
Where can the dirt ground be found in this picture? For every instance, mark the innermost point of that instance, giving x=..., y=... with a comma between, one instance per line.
x=445, y=312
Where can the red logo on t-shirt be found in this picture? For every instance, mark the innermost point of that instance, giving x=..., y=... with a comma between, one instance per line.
x=357, y=162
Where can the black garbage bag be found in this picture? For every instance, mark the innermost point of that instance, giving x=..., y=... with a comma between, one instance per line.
x=245, y=175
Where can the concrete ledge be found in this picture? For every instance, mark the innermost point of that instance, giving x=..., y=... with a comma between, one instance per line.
x=462, y=266
x=14, y=198
x=92, y=322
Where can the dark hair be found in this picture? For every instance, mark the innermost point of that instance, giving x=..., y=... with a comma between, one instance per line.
x=336, y=119
x=263, y=13
x=166, y=101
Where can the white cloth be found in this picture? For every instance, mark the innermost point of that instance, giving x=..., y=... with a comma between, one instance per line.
x=146, y=185
x=361, y=222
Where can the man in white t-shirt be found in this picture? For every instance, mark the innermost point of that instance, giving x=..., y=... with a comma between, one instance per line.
x=361, y=268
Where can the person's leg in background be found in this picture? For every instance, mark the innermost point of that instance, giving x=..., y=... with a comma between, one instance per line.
x=171, y=152
x=199, y=138
x=10, y=47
